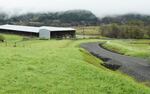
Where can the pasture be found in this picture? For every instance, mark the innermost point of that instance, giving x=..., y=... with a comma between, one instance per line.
x=58, y=67
x=138, y=48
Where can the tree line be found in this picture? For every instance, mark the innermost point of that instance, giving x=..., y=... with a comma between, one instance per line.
x=125, y=31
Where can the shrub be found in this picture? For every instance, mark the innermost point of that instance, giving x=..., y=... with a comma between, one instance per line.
x=2, y=38
x=26, y=38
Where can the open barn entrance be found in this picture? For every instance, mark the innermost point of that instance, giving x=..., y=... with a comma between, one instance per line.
x=62, y=34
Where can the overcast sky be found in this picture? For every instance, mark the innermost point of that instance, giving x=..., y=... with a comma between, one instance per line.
x=99, y=7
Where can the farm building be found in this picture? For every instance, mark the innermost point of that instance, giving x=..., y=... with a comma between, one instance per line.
x=45, y=32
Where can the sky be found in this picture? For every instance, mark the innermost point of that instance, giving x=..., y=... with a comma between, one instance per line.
x=98, y=7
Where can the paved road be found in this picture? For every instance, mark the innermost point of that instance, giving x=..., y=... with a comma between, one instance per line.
x=135, y=67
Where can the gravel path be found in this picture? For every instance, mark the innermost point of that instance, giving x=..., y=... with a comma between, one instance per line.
x=135, y=67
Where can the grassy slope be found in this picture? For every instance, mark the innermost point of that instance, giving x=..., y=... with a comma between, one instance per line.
x=59, y=67
x=139, y=48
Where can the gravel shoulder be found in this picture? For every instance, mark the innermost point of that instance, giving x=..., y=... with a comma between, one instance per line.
x=138, y=68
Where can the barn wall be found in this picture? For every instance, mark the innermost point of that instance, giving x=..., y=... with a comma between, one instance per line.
x=23, y=33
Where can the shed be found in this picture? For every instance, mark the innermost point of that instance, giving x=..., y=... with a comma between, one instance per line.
x=45, y=32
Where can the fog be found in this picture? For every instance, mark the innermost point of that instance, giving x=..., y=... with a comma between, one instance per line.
x=98, y=7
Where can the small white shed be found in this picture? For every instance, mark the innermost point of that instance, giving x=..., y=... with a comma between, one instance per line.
x=44, y=34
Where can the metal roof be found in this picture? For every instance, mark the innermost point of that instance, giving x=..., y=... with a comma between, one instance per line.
x=33, y=29
x=20, y=28
x=56, y=28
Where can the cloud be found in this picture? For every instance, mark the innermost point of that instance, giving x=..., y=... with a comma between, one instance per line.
x=99, y=7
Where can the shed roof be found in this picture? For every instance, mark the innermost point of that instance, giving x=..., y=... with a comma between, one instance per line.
x=56, y=28
x=20, y=28
x=33, y=29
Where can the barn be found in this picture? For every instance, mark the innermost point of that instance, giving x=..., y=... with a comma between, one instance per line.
x=44, y=32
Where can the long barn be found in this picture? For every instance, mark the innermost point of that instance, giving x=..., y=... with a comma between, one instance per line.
x=44, y=32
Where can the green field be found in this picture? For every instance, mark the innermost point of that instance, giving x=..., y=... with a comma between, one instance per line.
x=138, y=48
x=88, y=30
x=58, y=67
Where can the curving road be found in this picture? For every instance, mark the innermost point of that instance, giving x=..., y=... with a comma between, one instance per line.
x=135, y=67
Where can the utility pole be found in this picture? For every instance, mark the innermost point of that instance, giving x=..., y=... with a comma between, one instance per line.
x=83, y=32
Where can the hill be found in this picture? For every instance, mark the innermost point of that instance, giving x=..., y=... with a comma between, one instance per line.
x=125, y=19
x=72, y=18
x=66, y=18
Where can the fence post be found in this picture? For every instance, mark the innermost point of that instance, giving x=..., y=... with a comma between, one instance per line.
x=15, y=45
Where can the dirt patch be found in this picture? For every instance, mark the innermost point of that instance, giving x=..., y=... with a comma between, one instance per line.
x=113, y=67
x=101, y=57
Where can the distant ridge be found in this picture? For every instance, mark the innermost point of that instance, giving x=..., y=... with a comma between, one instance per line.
x=70, y=18
x=66, y=18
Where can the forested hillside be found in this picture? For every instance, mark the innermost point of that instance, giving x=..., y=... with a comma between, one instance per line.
x=67, y=18
x=72, y=18
x=127, y=18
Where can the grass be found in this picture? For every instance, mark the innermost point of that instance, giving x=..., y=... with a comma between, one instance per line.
x=58, y=67
x=88, y=30
x=138, y=48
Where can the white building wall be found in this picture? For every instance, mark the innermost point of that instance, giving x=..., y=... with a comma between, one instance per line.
x=44, y=34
